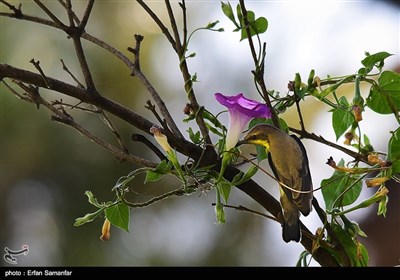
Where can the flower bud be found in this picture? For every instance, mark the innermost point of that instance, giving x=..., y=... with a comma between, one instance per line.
x=161, y=138
x=105, y=231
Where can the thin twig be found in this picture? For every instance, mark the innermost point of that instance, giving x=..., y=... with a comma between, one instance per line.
x=300, y=114
x=178, y=192
x=76, y=19
x=83, y=63
x=259, y=72
x=70, y=13
x=245, y=209
x=20, y=96
x=86, y=15
x=17, y=11
x=136, y=50
x=65, y=68
x=37, y=66
x=62, y=117
x=320, y=139
x=185, y=31
x=152, y=108
x=51, y=15
x=159, y=23
x=174, y=27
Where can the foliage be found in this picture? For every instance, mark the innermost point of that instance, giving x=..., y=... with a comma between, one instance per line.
x=205, y=166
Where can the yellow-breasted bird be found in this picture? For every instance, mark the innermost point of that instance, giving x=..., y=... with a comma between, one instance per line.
x=288, y=160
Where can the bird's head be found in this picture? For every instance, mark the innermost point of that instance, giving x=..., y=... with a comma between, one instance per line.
x=258, y=135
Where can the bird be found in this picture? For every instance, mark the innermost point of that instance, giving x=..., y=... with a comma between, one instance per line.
x=288, y=160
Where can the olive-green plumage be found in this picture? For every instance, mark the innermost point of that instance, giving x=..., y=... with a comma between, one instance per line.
x=288, y=160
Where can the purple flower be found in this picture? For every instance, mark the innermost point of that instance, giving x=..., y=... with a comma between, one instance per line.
x=241, y=111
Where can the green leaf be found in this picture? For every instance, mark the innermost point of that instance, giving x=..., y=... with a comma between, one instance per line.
x=333, y=188
x=92, y=200
x=164, y=167
x=118, y=215
x=334, y=87
x=382, y=206
x=394, y=151
x=195, y=137
x=385, y=98
x=376, y=59
x=224, y=189
x=342, y=118
x=152, y=176
x=87, y=218
x=227, y=10
x=356, y=252
x=212, y=24
x=257, y=26
x=245, y=176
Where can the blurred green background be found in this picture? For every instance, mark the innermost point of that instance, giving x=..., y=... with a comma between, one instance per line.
x=45, y=167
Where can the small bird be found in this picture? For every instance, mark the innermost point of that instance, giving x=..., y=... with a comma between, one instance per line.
x=289, y=163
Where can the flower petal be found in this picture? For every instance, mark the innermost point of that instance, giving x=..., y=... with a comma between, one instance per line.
x=241, y=111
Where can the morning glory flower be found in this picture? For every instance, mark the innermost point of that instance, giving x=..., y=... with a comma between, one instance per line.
x=241, y=111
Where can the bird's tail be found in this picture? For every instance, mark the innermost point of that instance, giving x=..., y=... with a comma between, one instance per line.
x=291, y=231
x=291, y=225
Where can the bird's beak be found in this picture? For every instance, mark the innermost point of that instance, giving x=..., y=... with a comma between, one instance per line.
x=241, y=143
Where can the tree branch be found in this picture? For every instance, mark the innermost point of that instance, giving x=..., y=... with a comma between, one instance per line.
x=320, y=139
x=259, y=72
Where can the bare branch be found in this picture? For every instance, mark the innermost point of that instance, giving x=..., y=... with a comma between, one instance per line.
x=63, y=117
x=159, y=23
x=174, y=27
x=65, y=68
x=51, y=15
x=17, y=11
x=64, y=4
x=136, y=50
x=259, y=72
x=7, y=71
x=37, y=66
x=152, y=109
x=320, y=139
x=86, y=15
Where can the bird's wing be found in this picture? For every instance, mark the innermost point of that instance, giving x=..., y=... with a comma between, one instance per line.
x=303, y=201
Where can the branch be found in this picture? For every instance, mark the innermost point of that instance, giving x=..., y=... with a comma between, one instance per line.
x=259, y=72
x=178, y=192
x=7, y=71
x=86, y=15
x=62, y=117
x=174, y=26
x=57, y=22
x=159, y=23
x=320, y=139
